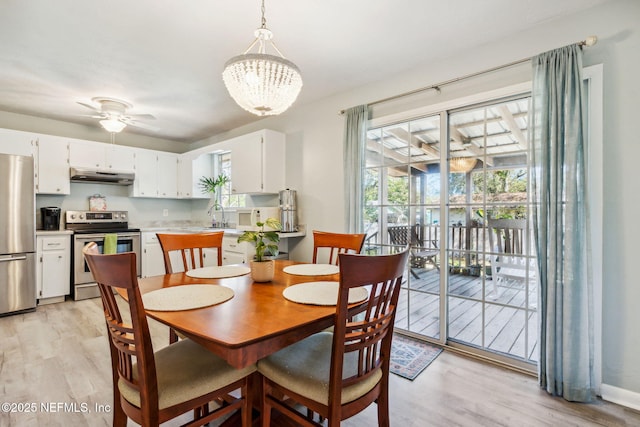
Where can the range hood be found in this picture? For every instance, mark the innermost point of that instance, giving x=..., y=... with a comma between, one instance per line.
x=103, y=177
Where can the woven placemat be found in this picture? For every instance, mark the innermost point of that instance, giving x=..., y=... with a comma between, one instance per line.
x=218, y=272
x=186, y=297
x=311, y=269
x=321, y=293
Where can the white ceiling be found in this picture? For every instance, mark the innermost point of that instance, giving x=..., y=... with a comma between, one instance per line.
x=166, y=57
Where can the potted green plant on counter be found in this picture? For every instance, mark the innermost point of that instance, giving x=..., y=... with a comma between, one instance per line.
x=266, y=244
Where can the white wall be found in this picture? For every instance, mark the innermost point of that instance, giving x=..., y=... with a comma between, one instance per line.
x=314, y=152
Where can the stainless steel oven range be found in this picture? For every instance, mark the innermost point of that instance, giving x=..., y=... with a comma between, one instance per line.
x=89, y=227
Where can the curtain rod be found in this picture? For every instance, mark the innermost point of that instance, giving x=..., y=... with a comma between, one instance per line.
x=588, y=42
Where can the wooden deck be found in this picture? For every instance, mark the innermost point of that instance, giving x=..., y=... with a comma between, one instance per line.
x=508, y=325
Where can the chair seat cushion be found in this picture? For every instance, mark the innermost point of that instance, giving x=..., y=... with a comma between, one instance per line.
x=304, y=369
x=186, y=370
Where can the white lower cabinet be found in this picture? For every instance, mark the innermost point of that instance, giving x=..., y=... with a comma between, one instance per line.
x=53, y=271
x=234, y=252
x=152, y=259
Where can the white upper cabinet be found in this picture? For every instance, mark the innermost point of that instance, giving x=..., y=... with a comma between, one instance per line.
x=100, y=156
x=167, y=175
x=120, y=158
x=258, y=163
x=190, y=171
x=52, y=160
x=16, y=142
x=146, y=171
x=156, y=174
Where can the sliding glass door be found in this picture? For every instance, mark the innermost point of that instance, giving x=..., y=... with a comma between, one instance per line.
x=470, y=280
x=403, y=207
x=491, y=286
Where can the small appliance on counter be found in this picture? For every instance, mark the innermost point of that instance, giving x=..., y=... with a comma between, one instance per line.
x=248, y=218
x=288, y=211
x=50, y=218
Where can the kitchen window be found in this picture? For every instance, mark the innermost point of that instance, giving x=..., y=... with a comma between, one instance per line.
x=222, y=165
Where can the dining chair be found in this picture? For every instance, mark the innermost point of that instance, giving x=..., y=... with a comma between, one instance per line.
x=510, y=267
x=421, y=251
x=153, y=387
x=333, y=244
x=336, y=375
x=191, y=249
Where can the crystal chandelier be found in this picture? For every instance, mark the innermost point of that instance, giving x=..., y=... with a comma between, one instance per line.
x=262, y=84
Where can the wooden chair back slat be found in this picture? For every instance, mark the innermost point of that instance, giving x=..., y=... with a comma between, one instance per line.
x=336, y=244
x=191, y=248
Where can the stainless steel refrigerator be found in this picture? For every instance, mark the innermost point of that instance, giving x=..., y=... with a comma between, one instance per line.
x=17, y=234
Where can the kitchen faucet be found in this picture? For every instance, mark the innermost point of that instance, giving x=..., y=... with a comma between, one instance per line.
x=213, y=206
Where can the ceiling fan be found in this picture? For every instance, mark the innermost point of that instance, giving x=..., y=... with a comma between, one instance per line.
x=113, y=114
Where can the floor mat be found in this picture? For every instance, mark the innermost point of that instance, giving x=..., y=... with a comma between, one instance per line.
x=409, y=357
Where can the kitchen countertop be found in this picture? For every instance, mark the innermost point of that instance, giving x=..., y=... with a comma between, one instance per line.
x=227, y=231
x=52, y=232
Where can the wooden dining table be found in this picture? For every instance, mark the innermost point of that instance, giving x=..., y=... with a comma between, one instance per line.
x=255, y=323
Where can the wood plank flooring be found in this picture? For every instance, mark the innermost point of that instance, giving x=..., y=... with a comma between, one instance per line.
x=510, y=321
x=59, y=355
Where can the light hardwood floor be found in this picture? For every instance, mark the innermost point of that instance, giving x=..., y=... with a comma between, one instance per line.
x=59, y=355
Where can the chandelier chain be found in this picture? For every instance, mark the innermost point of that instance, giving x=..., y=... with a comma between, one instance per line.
x=264, y=20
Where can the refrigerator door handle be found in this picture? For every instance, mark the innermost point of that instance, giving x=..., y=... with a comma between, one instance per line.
x=13, y=258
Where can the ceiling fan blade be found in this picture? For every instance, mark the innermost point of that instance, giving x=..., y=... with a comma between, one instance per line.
x=91, y=107
x=140, y=117
x=138, y=124
x=94, y=116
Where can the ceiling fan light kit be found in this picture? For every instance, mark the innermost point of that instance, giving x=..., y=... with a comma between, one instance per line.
x=261, y=83
x=112, y=125
x=113, y=114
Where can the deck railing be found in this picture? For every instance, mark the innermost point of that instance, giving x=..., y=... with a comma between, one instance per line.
x=467, y=244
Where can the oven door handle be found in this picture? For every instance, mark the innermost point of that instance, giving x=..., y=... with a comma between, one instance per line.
x=99, y=236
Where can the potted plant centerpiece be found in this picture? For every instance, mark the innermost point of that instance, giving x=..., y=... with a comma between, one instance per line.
x=266, y=244
x=213, y=186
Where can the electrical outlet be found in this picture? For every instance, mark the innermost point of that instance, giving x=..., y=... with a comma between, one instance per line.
x=165, y=212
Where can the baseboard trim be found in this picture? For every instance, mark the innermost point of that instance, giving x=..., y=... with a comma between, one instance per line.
x=620, y=396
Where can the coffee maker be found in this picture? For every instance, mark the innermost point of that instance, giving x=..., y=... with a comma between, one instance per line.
x=50, y=218
x=288, y=211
